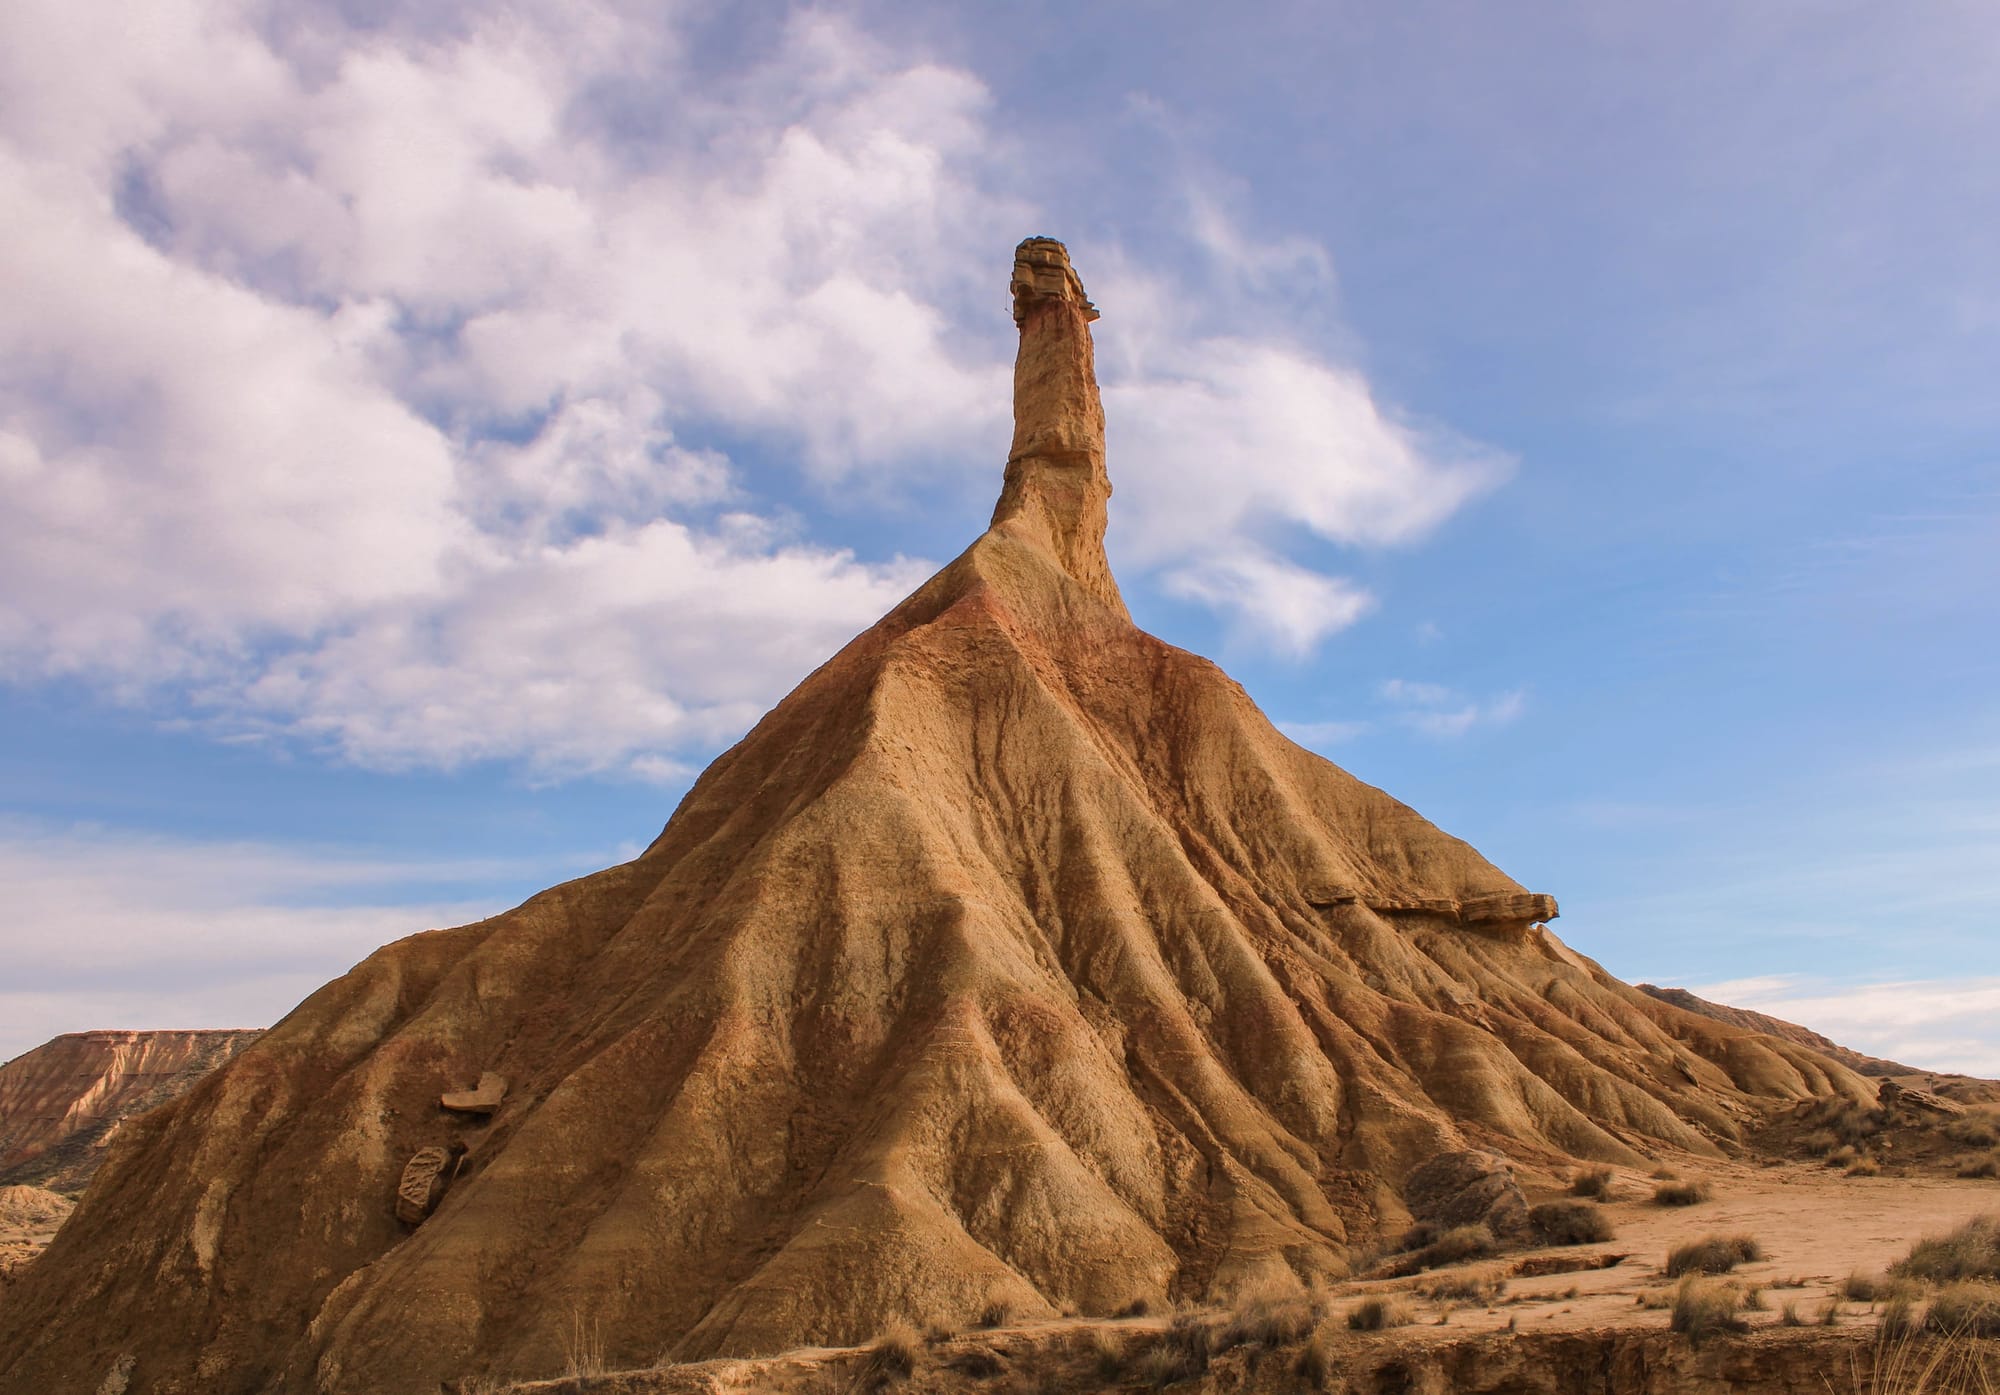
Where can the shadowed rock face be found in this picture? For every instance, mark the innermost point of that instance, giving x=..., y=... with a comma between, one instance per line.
x=1014, y=957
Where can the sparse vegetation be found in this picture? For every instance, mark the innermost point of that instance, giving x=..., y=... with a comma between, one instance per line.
x=1705, y=1308
x=1593, y=1182
x=980, y=1363
x=1665, y=1174
x=997, y=1313
x=1454, y=1246
x=1107, y=1355
x=1843, y=1155
x=1864, y=1166
x=1829, y=1315
x=1970, y=1252
x=893, y=1355
x=1569, y=1223
x=1712, y=1254
x=1898, y=1318
x=1969, y=1307
x=1180, y=1353
x=1268, y=1320
x=1315, y=1366
x=583, y=1348
x=1848, y=1121
x=1375, y=1314
x=1988, y=1166
x=1975, y=1131
x=1681, y=1193
x=1788, y=1316
x=1480, y=1286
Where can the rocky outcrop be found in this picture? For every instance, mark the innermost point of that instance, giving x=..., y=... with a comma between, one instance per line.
x=985, y=971
x=61, y=1102
x=1468, y=1187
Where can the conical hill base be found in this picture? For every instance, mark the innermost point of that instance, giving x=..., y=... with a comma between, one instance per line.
x=1012, y=958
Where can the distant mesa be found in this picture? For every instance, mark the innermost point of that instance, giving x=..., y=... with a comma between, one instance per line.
x=61, y=1103
x=1014, y=960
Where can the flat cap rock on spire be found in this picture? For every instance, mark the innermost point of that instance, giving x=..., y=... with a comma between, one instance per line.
x=1056, y=488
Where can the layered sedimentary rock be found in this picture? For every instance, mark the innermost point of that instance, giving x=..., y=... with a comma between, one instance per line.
x=61, y=1102
x=1013, y=958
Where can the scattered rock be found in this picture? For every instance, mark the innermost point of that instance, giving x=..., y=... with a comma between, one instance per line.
x=425, y=1176
x=482, y=1099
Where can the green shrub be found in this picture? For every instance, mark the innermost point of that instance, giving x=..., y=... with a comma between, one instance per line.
x=1712, y=1254
x=1569, y=1223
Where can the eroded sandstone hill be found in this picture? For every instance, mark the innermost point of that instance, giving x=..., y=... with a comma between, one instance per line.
x=61, y=1102
x=1014, y=957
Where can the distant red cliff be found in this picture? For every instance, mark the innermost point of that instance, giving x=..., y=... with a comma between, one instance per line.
x=61, y=1102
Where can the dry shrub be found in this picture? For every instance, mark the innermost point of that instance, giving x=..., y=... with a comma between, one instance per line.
x=1665, y=1174
x=1712, y=1254
x=1970, y=1307
x=1455, y=1246
x=1829, y=1313
x=1315, y=1366
x=1974, y=1131
x=1898, y=1319
x=1374, y=1314
x=1681, y=1193
x=1864, y=1166
x=1268, y=1320
x=894, y=1353
x=1472, y=1286
x=1107, y=1355
x=1970, y=1252
x=1788, y=1316
x=1569, y=1223
x=1820, y=1142
x=1180, y=1353
x=1860, y=1287
x=980, y=1363
x=1843, y=1155
x=1988, y=1166
x=1138, y=1307
x=1704, y=1309
x=1593, y=1182
x=1849, y=1121
x=997, y=1313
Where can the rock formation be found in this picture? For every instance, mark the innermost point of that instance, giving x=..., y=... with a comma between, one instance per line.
x=1013, y=958
x=61, y=1102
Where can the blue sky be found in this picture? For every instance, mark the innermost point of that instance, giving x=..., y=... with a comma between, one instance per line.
x=430, y=434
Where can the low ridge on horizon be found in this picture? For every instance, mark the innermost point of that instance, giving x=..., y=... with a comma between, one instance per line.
x=1014, y=958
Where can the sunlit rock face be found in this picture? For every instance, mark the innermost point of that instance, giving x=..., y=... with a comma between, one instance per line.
x=1014, y=958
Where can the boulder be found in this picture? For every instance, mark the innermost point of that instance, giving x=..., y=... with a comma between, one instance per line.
x=1467, y=1187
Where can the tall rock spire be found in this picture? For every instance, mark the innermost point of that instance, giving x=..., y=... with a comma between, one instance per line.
x=1056, y=486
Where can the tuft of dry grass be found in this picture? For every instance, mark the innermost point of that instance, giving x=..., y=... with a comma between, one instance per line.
x=1898, y=1317
x=1788, y=1316
x=1988, y=1166
x=1843, y=1155
x=1970, y=1252
x=1180, y=1353
x=1969, y=1307
x=1569, y=1223
x=1681, y=1193
x=1454, y=1246
x=1375, y=1314
x=1712, y=1254
x=1471, y=1286
x=1315, y=1365
x=1829, y=1314
x=1905, y=1365
x=1864, y=1166
x=583, y=1348
x=1980, y=1130
x=893, y=1354
x=1107, y=1355
x=1705, y=1308
x=1593, y=1182
x=997, y=1313
x=1268, y=1320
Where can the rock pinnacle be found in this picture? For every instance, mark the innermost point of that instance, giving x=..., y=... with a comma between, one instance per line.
x=1056, y=485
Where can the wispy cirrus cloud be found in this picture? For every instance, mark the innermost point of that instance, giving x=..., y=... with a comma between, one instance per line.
x=1444, y=713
